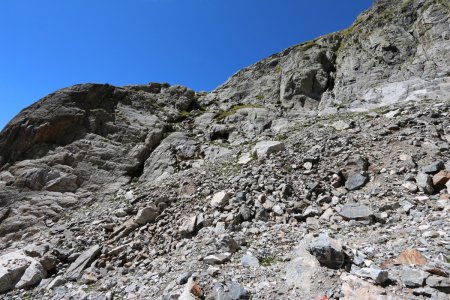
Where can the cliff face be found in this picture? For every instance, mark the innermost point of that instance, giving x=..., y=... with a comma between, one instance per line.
x=131, y=189
x=395, y=51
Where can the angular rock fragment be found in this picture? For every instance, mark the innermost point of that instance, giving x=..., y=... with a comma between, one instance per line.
x=58, y=281
x=356, y=181
x=441, y=178
x=217, y=259
x=188, y=227
x=377, y=275
x=74, y=272
x=410, y=187
x=32, y=276
x=266, y=148
x=355, y=211
x=425, y=183
x=439, y=283
x=146, y=215
x=434, y=167
x=413, y=278
x=220, y=199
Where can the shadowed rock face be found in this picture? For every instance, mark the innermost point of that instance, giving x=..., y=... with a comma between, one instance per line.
x=59, y=119
x=116, y=181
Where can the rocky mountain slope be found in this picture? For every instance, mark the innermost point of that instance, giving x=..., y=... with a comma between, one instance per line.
x=322, y=172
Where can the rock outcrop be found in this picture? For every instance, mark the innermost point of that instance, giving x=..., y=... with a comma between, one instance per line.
x=321, y=172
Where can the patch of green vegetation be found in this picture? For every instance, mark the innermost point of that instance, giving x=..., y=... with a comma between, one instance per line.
x=223, y=145
x=184, y=114
x=431, y=2
x=254, y=155
x=155, y=105
x=288, y=168
x=232, y=168
x=260, y=97
x=380, y=110
x=279, y=70
x=223, y=114
x=91, y=288
x=267, y=261
x=281, y=137
x=308, y=45
x=115, y=197
x=350, y=30
x=27, y=296
x=405, y=4
x=340, y=106
x=135, y=183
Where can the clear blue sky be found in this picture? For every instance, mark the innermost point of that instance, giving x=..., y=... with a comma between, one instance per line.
x=50, y=44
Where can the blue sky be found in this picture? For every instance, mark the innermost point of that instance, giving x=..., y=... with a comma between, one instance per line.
x=50, y=44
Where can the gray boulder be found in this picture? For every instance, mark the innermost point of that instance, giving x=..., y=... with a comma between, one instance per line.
x=328, y=251
x=425, y=183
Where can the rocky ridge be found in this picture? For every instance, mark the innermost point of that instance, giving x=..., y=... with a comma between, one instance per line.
x=321, y=172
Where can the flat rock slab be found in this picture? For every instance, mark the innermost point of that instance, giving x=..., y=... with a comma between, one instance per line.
x=217, y=259
x=434, y=167
x=340, y=125
x=355, y=211
x=356, y=181
x=75, y=270
x=377, y=275
x=412, y=277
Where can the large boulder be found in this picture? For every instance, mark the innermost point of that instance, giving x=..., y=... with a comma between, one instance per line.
x=328, y=251
x=17, y=270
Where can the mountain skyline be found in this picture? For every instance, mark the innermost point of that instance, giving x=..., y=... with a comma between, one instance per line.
x=51, y=44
